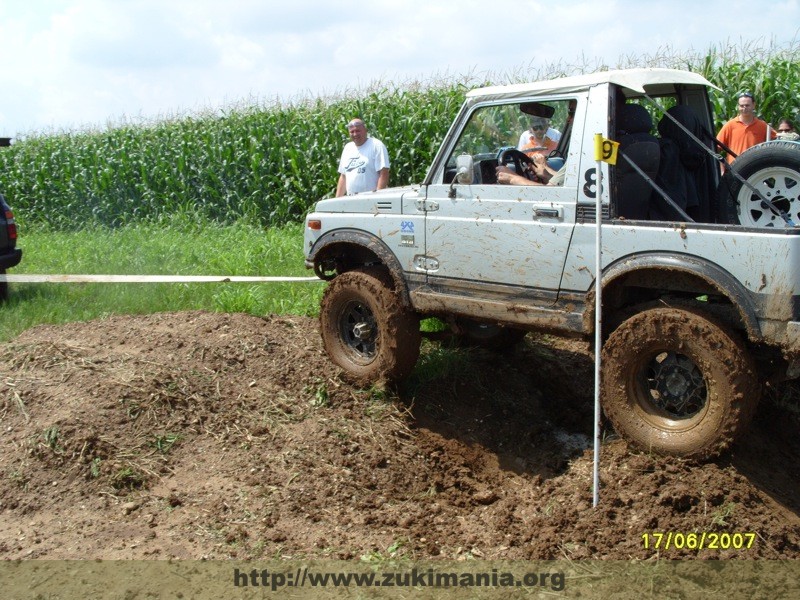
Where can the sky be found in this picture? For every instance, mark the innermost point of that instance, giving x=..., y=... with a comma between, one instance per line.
x=90, y=64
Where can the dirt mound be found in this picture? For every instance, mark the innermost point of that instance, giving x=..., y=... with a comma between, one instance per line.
x=195, y=435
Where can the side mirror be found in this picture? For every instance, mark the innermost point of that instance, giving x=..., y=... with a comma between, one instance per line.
x=464, y=169
x=464, y=172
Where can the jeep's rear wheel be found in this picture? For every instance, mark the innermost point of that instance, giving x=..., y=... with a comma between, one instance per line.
x=676, y=382
x=3, y=287
x=365, y=329
x=774, y=170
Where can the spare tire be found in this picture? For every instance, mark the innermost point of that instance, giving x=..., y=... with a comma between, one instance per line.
x=772, y=168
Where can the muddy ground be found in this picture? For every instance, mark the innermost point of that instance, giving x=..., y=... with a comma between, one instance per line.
x=193, y=435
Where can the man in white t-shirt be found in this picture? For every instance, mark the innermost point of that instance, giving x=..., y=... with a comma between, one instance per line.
x=364, y=165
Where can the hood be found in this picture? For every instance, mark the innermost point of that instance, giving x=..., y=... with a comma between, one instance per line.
x=382, y=201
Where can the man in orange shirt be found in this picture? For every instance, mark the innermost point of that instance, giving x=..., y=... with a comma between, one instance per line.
x=745, y=130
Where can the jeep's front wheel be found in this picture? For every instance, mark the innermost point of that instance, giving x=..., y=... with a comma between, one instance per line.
x=365, y=329
x=675, y=382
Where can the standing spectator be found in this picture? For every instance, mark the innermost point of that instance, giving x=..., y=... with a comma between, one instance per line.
x=364, y=165
x=745, y=130
x=786, y=131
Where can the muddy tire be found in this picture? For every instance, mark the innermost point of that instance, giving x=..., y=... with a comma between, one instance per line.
x=676, y=382
x=773, y=169
x=365, y=329
x=487, y=335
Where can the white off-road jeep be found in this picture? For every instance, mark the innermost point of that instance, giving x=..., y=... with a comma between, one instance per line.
x=700, y=273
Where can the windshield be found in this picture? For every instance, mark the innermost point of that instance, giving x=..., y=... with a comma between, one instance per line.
x=493, y=128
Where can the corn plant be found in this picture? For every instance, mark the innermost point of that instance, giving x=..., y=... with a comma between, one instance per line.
x=266, y=164
x=269, y=163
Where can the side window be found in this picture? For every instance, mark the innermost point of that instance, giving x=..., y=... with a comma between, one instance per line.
x=514, y=136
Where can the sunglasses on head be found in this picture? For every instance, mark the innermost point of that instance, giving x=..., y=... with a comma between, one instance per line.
x=746, y=95
x=539, y=126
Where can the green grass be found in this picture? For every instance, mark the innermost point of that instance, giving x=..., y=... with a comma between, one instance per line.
x=196, y=195
x=179, y=247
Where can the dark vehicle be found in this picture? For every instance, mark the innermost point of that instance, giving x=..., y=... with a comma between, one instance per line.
x=10, y=255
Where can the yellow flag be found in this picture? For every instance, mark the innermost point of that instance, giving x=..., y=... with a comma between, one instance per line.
x=605, y=150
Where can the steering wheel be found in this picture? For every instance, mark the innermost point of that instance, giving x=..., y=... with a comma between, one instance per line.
x=515, y=157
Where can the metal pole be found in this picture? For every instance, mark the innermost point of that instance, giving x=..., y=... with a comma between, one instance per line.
x=597, y=333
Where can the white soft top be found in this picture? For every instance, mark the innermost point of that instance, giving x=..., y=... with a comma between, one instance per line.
x=651, y=81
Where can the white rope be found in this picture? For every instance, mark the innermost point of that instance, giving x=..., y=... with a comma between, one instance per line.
x=148, y=279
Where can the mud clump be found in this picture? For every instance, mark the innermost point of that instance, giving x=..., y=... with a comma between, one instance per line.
x=195, y=434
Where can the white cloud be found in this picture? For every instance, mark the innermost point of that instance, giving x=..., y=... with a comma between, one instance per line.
x=73, y=63
x=150, y=39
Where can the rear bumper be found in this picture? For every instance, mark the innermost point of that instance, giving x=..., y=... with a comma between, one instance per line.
x=10, y=259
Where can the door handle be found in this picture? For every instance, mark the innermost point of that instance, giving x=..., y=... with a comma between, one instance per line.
x=552, y=212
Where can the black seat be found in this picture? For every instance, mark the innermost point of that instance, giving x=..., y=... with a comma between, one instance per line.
x=687, y=170
x=642, y=148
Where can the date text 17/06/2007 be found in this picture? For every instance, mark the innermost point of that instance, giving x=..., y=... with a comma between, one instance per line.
x=706, y=540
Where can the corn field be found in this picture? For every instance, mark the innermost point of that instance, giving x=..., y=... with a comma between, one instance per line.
x=270, y=164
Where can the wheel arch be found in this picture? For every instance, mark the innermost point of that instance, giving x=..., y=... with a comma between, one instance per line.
x=343, y=250
x=656, y=276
